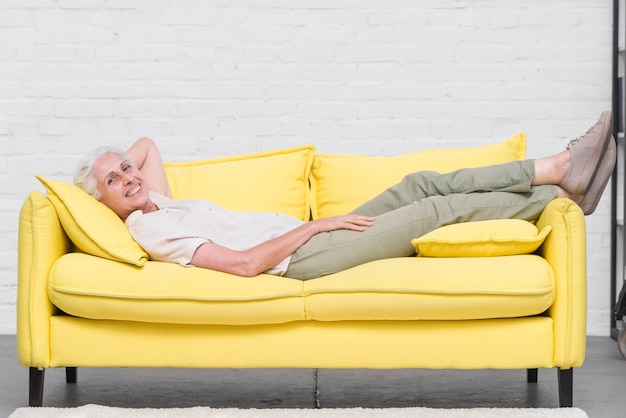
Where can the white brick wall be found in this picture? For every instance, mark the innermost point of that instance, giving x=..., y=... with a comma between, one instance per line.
x=208, y=78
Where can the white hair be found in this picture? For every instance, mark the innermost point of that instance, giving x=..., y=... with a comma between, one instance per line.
x=83, y=176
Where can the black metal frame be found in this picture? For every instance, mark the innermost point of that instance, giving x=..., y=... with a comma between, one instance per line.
x=617, y=311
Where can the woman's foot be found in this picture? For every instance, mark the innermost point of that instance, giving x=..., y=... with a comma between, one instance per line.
x=589, y=201
x=583, y=170
x=586, y=155
x=594, y=192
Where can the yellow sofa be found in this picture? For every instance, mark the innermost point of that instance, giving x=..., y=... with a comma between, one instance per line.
x=496, y=294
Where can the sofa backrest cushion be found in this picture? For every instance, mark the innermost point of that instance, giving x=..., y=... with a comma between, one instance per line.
x=91, y=226
x=272, y=181
x=341, y=183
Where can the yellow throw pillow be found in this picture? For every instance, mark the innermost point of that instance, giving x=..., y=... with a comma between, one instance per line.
x=93, y=228
x=341, y=183
x=482, y=239
x=272, y=181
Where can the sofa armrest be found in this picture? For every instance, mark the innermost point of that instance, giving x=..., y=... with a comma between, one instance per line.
x=566, y=250
x=41, y=241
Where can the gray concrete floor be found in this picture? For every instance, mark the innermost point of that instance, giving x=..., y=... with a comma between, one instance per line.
x=599, y=386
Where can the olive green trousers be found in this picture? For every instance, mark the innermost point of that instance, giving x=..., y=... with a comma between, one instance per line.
x=420, y=203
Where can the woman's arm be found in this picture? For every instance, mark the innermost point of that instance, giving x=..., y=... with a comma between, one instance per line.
x=258, y=259
x=147, y=159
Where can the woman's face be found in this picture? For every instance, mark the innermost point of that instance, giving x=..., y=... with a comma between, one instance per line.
x=120, y=184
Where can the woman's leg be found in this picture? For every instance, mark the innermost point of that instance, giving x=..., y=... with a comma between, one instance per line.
x=514, y=176
x=391, y=234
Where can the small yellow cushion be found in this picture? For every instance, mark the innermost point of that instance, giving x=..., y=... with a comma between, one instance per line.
x=93, y=228
x=272, y=181
x=482, y=239
x=341, y=183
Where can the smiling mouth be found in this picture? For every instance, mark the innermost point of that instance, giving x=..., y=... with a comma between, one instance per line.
x=132, y=192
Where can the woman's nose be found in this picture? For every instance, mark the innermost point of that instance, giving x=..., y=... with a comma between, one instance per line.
x=126, y=178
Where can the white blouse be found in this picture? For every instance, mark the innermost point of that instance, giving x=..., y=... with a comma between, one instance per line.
x=179, y=227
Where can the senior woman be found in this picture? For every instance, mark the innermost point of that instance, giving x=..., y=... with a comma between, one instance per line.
x=199, y=233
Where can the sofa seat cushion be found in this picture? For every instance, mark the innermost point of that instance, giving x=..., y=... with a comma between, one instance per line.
x=96, y=288
x=412, y=288
x=422, y=288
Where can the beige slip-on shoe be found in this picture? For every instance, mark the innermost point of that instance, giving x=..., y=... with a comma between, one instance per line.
x=586, y=154
x=603, y=174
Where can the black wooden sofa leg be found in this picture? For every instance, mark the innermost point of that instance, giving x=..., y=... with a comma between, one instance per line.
x=35, y=386
x=71, y=374
x=566, y=387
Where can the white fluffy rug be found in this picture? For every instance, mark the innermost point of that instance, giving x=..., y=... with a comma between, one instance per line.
x=96, y=411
